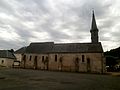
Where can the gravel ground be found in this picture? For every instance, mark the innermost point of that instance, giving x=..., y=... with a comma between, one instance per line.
x=26, y=79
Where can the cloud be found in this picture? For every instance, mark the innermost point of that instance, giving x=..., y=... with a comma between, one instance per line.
x=25, y=21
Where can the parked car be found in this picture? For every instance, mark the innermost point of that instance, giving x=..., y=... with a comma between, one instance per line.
x=16, y=64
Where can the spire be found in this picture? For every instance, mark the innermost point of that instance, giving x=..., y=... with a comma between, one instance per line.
x=94, y=25
x=94, y=30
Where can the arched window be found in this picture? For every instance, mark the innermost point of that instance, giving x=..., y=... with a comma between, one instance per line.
x=42, y=58
x=83, y=58
x=24, y=57
x=55, y=58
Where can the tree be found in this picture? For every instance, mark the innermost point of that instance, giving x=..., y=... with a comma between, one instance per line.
x=111, y=61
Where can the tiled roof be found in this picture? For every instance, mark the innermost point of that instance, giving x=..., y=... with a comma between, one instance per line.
x=45, y=47
x=50, y=47
x=21, y=50
x=6, y=54
x=78, y=47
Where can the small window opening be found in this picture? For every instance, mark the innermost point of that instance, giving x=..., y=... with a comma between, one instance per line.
x=55, y=58
x=42, y=58
x=24, y=57
x=83, y=58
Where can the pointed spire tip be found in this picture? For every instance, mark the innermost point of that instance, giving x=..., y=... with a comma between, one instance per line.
x=92, y=10
x=93, y=26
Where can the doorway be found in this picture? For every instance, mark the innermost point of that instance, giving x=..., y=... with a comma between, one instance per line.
x=24, y=61
x=77, y=64
x=88, y=65
x=35, y=62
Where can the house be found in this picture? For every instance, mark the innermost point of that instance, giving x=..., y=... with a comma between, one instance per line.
x=6, y=58
x=18, y=53
x=74, y=57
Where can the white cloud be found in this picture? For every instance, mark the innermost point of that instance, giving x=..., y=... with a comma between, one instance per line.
x=8, y=34
x=25, y=21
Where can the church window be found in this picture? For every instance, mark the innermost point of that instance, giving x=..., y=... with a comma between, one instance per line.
x=30, y=58
x=83, y=58
x=42, y=58
x=55, y=58
x=24, y=57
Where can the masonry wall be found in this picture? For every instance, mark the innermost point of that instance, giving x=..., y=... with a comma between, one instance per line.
x=74, y=62
x=18, y=57
x=6, y=62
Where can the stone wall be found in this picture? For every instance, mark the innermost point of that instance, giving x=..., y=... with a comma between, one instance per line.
x=18, y=57
x=76, y=62
x=6, y=62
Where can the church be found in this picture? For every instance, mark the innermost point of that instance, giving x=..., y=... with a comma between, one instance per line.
x=71, y=57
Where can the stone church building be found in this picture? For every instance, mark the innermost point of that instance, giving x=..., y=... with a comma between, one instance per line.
x=74, y=57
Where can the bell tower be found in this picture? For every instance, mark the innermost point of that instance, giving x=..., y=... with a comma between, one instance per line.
x=94, y=30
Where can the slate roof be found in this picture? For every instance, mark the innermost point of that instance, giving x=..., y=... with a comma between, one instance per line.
x=21, y=50
x=6, y=54
x=78, y=47
x=45, y=47
x=93, y=25
x=50, y=47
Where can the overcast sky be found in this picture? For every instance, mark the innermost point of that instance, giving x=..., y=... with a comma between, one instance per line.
x=61, y=21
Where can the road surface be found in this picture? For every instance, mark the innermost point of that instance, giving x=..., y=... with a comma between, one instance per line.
x=26, y=79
